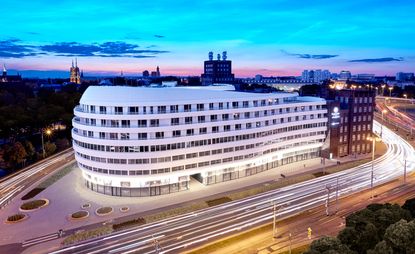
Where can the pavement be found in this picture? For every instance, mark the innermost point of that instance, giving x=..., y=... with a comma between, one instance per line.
x=68, y=194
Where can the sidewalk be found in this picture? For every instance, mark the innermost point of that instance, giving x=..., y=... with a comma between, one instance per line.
x=68, y=194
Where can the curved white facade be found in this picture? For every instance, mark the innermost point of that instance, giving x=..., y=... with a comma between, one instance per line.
x=132, y=141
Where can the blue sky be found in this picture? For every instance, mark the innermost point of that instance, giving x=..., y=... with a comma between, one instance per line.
x=268, y=37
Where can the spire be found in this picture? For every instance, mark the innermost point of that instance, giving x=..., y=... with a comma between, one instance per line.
x=4, y=68
x=72, y=63
x=76, y=62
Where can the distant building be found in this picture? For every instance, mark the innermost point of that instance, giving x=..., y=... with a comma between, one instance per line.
x=345, y=75
x=75, y=74
x=217, y=71
x=315, y=76
x=9, y=78
x=365, y=77
x=402, y=76
x=146, y=74
x=156, y=74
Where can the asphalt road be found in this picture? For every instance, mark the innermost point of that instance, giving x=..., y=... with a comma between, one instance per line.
x=187, y=231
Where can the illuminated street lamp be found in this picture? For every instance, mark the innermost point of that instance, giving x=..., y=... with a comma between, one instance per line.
x=383, y=89
x=373, y=139
x=48, y=132
x=405, y=95
x=275, y=211
x=390, y=91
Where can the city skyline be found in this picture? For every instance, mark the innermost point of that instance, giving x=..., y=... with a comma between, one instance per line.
x=279, y=38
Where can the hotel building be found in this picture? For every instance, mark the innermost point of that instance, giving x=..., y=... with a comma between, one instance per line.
x=133, y=141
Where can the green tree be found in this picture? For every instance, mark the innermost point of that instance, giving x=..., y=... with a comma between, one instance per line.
x=50, y=148
x=30, y=150
x=410, y=206
x=381, y=248
x=401, y=237
x=15, y=154
x=328, y=245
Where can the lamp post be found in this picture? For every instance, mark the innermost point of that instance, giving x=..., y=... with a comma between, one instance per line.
x=274, y=224
x=390, y=91
x=48, y=132
x=383, y=89
x=373, y=139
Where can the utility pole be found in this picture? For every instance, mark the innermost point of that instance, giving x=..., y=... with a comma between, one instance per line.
x=404, y=173
x=328, y=201
x=274, y=233
x=337, y=194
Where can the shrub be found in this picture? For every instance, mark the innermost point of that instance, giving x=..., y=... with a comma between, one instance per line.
x=130, y=223
x=34, y=204
x=16, y=217
x=104, y=210
x=88, y=234
x=79, y=215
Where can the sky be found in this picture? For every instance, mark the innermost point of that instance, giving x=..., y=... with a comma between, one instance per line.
x=276, y=37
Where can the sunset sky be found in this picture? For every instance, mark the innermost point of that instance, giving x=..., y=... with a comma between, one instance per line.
x=261, y=37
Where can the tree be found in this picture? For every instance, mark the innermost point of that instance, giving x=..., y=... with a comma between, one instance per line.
x=401, y=236
x=50, y=148
x=30, y=150
x=328, y=245
x=15, y=154
x=62, y=143
x=410, y=206
x=381, y=248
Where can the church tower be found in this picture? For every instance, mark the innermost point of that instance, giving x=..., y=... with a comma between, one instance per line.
x=75, y=76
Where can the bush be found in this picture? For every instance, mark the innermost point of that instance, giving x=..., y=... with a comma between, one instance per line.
x=16, y=217
x=104, y=210
x=88, y=234
x=80, y=215
x=218, y=201
x=34, y=204
x=130, y=223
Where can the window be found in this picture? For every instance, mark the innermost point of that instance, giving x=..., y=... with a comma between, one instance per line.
x=142, y=135
x=200, y=107
x=226, y=128
x=188, y=120
x=118, y=110
x=133, y=110
x=248, y=125
x=125, y=123
x=213, y=118
x=225, y=117
x=161, y=109
x=201, y=119
x=159, y=134
x=102, y=135
x=176, y=133
x=238, y=126
x=142, y=123
x=202, y=130
x=247, y=115
x=189, y=132
x=235, y=104
x=102, y=110
x=220, y=105
x=215, y=129
x=245, y=104
x=211, y=106
x=174, y=108
x=175, y=121
x=92, y=109
x=187, y=108
x=154, y=122
x=125, y=136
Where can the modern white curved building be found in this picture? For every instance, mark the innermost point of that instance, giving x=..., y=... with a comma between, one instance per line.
x=132, y=141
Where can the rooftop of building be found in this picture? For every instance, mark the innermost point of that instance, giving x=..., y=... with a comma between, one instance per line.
x=124, y=95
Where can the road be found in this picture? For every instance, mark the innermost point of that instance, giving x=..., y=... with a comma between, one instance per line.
x=188, y=231
x=11, y=185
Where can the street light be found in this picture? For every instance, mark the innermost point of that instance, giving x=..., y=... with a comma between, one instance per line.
x=48, y=132
x=275, y=211
x=390, y=91
x=373, y=139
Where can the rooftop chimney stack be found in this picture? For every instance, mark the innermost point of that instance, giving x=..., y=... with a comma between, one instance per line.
x=224, y=57
x=210, y=56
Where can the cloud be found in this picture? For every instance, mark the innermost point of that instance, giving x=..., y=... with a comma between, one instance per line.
x=159, y=36
x=13, y=48
x=309, y=56
x=377, y=60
